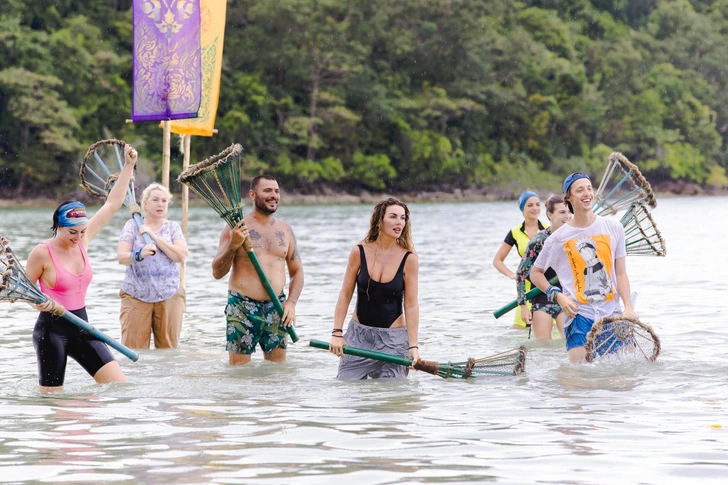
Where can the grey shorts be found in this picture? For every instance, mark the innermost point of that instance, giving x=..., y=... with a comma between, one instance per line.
x=388, y=340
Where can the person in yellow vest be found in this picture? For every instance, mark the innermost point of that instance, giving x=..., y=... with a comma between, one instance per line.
x=519, y=236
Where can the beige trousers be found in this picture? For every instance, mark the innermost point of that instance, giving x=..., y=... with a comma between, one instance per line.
x=140, y=319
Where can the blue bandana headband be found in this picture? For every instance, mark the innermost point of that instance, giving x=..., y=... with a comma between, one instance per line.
x=72, y=214
x=524, y=198
x=573, y=178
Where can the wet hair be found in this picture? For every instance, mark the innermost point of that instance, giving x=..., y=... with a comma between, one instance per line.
x=551, y=203
x=256, y=180
x=375, y=223
x=148, y=191
x=57, y=213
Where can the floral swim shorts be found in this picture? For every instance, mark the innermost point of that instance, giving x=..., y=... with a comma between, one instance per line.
x=553, y=309
x=250, y=322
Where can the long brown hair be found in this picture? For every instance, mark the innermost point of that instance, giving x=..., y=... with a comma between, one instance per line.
x=375, y=224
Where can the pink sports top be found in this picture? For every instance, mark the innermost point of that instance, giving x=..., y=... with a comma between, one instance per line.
x=70, y=289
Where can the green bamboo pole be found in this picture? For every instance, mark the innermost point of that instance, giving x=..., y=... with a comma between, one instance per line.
x=268, y=288
x=529, y=296
x=368, y=354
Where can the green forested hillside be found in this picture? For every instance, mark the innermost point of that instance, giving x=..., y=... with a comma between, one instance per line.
x=383, y=94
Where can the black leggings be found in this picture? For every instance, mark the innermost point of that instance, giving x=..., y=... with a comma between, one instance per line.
x=55, y=339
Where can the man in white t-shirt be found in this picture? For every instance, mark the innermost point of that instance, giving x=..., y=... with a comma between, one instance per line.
x=587, y=254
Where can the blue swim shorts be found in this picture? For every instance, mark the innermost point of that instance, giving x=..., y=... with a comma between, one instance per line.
x=576, y=332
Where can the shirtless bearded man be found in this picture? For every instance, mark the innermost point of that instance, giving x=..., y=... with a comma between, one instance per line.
x=251, y=317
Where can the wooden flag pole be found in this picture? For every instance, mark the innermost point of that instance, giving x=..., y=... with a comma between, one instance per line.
x=185, y=202
x=166, y=154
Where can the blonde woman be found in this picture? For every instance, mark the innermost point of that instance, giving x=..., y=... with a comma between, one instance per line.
x=152, y=301
x=384, y=270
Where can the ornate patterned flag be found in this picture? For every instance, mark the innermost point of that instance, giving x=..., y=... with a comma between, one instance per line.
x=167, y=72
x=212, y=13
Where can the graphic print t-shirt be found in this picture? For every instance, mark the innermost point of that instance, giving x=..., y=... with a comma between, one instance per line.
x=583, y=259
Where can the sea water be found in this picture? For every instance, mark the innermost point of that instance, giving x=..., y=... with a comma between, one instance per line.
x=187, y=417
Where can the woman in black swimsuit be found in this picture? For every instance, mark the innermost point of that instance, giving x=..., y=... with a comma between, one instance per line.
x=384, y=270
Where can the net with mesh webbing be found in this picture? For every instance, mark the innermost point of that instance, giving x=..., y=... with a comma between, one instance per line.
x=98, y=176
x=217, y=181
x=641, y=234
x=511, y=362
x=622, y=186
x=621, y=336
x=508, y=363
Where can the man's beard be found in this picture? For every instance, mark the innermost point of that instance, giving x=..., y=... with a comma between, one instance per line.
x=260, y=205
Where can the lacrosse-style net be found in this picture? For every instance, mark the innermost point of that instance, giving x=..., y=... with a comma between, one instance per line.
x=99, y=171
x=511, y=362
x=622, y=186
x=217, y=181
x=15, y=285
x=623, y=337
x=641, y=234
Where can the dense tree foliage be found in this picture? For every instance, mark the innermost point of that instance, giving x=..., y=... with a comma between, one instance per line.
x=390, y=95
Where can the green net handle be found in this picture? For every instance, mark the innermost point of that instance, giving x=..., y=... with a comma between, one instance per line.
x=368, y=354
x=529, y=296
x=82, y=324
x=269, y=289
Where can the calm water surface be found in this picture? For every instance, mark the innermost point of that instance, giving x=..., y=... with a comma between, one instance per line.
x=187, y=417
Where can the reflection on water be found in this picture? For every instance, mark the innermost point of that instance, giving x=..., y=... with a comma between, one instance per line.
x=187, y=417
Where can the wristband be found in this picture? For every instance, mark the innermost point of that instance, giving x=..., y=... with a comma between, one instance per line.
x=551, y=292
x=413, y=347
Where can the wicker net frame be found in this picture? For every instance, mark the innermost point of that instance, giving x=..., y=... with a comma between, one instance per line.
x=94, y=169
x=217, y=181
x=622, y=185
x=621, y=335
x=97, y=177
x=15, y=285
x=511, y=362
x=641, y=235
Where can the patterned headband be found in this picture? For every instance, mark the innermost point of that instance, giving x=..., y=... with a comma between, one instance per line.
x=72, y=214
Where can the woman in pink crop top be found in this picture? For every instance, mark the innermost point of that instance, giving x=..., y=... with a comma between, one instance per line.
x=384, y=269
x=61, y=266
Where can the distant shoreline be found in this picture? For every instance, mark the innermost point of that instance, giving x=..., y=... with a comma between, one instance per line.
x=330, y=196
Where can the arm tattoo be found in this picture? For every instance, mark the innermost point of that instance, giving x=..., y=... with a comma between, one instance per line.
x=295, y=255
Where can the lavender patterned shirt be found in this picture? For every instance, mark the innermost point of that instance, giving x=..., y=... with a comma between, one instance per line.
x=156, y=278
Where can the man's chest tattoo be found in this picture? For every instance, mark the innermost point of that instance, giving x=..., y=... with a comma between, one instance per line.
x=281, y=238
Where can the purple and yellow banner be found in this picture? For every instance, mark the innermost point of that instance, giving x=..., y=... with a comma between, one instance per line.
x=212, y=13
x=167, y=72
